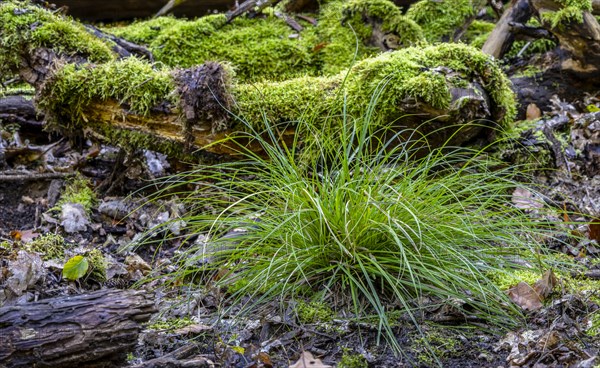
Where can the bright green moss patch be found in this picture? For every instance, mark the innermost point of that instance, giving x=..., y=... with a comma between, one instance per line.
x=257, y=48
x=267, y=48
x=131, y=82
x=51, y=246
x=170, y=324
x=344, y=35
x=571, y=11
x=97, y=264
x=314, y=312
x=405, y=73
x=79, y=190
x=440, y=19
x=24, y=27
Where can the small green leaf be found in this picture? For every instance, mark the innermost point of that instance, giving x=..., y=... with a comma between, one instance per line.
x=592, y=108
x=75, y=268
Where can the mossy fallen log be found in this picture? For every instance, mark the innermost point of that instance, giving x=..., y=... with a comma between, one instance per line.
x=82, y=87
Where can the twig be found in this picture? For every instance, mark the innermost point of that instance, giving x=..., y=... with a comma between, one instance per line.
x=4, y=177
x=249, y=5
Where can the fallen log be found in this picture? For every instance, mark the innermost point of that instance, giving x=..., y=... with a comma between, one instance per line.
x=83, y=88
x=89, y=330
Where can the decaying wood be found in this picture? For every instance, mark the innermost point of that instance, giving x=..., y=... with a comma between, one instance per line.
x=89, y=330
x=579, y=42
x=501, y=38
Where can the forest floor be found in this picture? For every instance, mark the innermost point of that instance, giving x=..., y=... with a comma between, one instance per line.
x=562, y=333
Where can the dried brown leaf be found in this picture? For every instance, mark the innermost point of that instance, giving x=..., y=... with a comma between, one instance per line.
x=594, y=233
x=544, y=286
x=525, y=200
x=308, y=360
x=264, y=359
x=525, y=296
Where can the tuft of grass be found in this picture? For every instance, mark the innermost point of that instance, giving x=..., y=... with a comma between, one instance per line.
x=364, y=225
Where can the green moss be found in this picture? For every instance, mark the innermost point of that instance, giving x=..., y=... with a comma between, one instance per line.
x=314, y=312
x=97, y=265
x=344, y=35
x=131, y=82
x=79, y=191
x=24, y=27
x=257, y=48
x=440, y=19
x=594, y=324
x=436, y=344
x=350, y=360
x=571, y=11
x=398, y=74
x=170, y=324
x=506, y=280
x=51, y=246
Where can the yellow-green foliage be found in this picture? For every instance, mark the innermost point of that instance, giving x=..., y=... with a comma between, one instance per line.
x=49, y=245
x=24, y=27
x=343, y=33
x=440, y=19
x=571, y=11
x=97, y=264
x=78, y=190
x=405, y=73
x=314, y=312
x=257, y=48
x=130, y=81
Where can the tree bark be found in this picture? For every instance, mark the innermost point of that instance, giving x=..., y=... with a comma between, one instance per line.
x=91, y=330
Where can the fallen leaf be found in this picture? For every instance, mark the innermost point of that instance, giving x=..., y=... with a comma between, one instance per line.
x=544, y=286
x=525, y=200
x=594, y=228
x=308, y=360
x=264, y=359
x=525, y=296
x=533, y=112
x=195, y=328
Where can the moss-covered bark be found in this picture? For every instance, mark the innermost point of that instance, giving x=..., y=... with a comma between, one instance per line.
x=134, y=103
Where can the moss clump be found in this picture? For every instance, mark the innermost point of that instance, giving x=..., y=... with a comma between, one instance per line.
x=440, y=19
x=257, y=48
x=436, y=345
x=25, y=27
x=170, y=324
x=571, y=11
x=79, y=191
x=398, y=75
x=97, y=265
x=314, y=312
x=51, y=246
x=342, y=24
x=132, y=82
x=350, y=360
x=506, y=280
